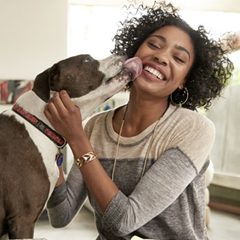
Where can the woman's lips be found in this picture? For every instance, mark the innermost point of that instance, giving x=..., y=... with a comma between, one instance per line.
x=155, y=71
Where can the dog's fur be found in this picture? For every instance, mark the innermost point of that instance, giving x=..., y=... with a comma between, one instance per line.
x=28, y=171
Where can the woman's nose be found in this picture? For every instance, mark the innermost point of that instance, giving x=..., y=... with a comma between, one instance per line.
x=162, y=58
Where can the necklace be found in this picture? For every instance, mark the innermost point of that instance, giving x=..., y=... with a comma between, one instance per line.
x=149, y=146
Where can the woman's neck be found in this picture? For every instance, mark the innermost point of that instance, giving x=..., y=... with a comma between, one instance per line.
x=139, y=115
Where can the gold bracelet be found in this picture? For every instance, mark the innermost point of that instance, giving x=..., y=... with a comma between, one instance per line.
x=86, y=158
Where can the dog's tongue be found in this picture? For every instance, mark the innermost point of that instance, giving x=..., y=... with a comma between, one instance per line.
x=135, y=66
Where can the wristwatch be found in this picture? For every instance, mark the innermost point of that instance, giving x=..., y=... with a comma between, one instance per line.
x=86, y=158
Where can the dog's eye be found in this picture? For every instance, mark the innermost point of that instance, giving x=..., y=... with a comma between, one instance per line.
x=87, y=59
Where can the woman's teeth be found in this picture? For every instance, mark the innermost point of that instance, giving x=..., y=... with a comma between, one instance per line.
x=154, y=72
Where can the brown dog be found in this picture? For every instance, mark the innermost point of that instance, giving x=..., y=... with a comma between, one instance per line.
x=29, y=145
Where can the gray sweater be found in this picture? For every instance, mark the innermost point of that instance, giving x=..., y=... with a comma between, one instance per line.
x=168, y=202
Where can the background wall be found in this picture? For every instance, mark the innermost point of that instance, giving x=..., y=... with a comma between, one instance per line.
x=33, y=36
x=225, y=113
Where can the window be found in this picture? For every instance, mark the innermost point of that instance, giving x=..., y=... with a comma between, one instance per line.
x=92, y=28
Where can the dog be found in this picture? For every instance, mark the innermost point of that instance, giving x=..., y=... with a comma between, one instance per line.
x=28, y=143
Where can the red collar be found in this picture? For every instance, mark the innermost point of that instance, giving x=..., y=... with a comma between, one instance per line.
x=41, y=126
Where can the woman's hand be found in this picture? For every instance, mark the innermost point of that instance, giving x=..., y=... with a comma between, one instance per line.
x=66, y=119
x=64, y=116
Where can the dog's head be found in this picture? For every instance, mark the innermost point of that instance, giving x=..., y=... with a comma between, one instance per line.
x=88, y=82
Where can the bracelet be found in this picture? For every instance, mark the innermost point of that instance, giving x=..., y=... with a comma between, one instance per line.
x=86, y=158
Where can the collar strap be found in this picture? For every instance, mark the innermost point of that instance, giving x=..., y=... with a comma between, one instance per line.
x=41, y=126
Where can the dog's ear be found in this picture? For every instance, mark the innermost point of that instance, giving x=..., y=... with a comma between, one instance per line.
x=54, y=78
x=41, y=85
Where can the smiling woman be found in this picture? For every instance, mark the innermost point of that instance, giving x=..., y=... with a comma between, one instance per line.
x=145, y=176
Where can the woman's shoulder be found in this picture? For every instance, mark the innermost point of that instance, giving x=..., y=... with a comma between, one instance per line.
x=97, y=118
x=193, y=119
x=95, y=123
x=194, y=135
x=100, y=119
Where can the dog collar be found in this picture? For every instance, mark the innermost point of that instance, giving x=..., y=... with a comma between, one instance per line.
x=41, y=126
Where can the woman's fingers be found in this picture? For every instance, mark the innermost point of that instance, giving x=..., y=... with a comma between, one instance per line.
x=64, y=116
x=62, y=104
x=50, y=111
x=66, y=100
x=58, y=107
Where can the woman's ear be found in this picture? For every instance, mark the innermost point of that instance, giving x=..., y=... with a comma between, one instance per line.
x=180, y=86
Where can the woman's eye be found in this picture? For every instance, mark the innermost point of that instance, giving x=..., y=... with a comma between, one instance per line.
x=179, y=60
x=152, y=45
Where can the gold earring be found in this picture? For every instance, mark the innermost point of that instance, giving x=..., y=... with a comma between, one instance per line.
x=178, y=95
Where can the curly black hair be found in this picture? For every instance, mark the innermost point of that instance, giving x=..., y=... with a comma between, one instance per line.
x=211, y=69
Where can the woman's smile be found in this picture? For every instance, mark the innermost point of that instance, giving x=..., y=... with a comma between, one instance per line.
x=154, y=72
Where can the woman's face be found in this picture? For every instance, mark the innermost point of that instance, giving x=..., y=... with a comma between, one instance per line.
x=167, y=57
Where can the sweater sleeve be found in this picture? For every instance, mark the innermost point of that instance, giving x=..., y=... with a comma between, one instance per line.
x=67, y=199
x=163, y=183
x=160, y=187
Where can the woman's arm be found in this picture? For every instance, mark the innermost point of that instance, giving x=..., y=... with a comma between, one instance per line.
x=66, y=119
x=67, y=198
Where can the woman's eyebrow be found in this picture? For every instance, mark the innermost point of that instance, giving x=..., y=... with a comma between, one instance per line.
x=183, y=49
x=177, y=47
x=160, y=37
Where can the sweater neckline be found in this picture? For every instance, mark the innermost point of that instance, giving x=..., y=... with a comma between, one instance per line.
x=146, y=133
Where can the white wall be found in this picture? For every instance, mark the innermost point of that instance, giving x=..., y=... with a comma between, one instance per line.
x=225, y=114
x=33, y=36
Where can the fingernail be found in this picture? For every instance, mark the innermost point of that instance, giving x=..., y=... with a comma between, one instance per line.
x=63, y=91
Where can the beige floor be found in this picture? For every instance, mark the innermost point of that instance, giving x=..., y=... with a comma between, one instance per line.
x=223, y=226
x=81, y=228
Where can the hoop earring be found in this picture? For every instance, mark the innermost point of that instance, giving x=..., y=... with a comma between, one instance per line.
x=178, y=95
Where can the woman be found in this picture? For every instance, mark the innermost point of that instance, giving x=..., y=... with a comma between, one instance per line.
x=148, y=176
